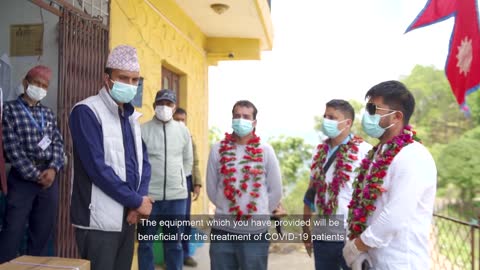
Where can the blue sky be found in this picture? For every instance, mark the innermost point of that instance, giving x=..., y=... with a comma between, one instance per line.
x=324, y=50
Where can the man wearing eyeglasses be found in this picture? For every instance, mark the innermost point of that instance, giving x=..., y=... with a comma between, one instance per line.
x=392, y=204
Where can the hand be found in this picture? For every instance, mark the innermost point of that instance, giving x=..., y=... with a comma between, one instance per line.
x=308, y=245
x=350, y=252
x=279, y=212
x=146, y=207
x=47, y=177
x=133, y=217
x=196, y=192
x=357, y=264
x=360, y=245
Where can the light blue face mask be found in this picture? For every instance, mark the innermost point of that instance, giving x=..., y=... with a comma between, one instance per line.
x=371, y=124
x=330, y=127
x=123, y=92
x=242, y=127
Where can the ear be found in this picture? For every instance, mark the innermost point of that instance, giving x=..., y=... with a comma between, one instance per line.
x=349, y=123
x=254, y=123
x=25, y=84
x=106, y=81
x=399, y=115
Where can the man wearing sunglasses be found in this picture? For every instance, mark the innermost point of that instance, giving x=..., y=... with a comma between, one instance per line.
x=330, y=190
x=392, y=204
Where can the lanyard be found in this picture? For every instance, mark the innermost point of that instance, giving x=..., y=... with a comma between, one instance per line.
x=332, y=151
x=40, y=128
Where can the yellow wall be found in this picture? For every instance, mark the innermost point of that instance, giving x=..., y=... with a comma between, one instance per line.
x=164, y=35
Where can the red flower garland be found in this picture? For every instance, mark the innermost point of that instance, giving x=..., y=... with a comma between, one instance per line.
x=347, y=153
x=368, y=187
x=231, y=192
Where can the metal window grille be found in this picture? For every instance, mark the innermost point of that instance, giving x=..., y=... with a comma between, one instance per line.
x=83, y=52
x=94, y=8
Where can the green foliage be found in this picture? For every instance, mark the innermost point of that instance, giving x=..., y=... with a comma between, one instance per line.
x=214, y=135
x=473, y=101
x=294, y=156
x=450, y=239
x=293, y=202
x=473, y=134
x=437, y=116
x=451, y=137
x=458, y=164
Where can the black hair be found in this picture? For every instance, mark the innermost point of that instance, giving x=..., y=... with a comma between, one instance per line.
x=396, y=95
x=248, y=104
x=344, y=107
x=180, y=111
x=109, y=72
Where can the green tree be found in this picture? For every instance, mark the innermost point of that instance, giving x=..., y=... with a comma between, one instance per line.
x=437, y=117
x=293, y=202
x=449, y=135
x=473, y=101
x=458, y=165
x=214, y=135
x=294, y=156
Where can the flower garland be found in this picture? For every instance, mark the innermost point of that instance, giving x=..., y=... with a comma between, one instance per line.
x=254, y=154
x=369, y=185
x=347, y=154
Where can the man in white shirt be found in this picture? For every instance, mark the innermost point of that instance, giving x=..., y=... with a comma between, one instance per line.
x=392, y=205
x=330, y=190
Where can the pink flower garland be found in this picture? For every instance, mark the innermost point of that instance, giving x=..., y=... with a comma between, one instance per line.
x=369, y=186
x=347, y=154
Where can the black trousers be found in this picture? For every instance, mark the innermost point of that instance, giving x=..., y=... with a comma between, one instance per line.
x=107, y=250
x=28, y=203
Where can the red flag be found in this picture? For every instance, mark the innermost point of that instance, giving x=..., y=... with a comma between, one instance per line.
x=463, y=60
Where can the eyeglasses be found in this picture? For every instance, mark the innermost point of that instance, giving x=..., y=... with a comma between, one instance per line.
x=372, y=108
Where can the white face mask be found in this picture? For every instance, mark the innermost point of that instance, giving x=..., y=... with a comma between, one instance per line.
x=36, y=93
x=164, y=113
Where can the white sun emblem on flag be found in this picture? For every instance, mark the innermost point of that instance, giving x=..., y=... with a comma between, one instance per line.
x=464, y=56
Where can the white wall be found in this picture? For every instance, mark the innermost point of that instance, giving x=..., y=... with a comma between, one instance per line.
x=25, y=12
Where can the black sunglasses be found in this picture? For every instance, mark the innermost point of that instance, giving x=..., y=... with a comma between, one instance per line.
x=372, y=108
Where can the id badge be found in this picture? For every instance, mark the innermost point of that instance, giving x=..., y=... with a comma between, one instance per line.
x=44, y=143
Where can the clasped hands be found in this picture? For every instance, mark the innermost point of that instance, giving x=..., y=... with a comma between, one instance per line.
x=46, y=178
x=143, y=211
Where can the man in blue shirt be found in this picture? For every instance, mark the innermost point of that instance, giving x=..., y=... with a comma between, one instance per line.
x=330, y=190
x=34, y=146
x=111, y=168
